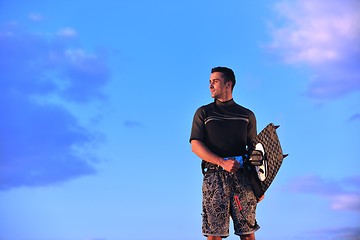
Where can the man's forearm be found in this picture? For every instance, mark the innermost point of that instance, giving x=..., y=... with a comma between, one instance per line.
x=204, y=153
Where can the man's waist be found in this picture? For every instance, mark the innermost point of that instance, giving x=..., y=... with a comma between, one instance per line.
x=210, y=167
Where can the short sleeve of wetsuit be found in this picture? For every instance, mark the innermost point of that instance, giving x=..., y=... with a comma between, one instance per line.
x=198, y=126
x=252, y=131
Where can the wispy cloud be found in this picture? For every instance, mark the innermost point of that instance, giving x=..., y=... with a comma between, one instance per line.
x=36, y=17
x=67, y=32
x=344, y=194
x=41, y=141
x=347, y=233
x=132, y=124
x=355, y=117
x=325, y=36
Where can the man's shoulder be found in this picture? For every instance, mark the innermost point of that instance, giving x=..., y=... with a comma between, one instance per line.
x=206, y=106
x=245, y=110
x=209, y=105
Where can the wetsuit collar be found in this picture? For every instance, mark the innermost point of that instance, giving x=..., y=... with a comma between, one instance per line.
x=226, y=103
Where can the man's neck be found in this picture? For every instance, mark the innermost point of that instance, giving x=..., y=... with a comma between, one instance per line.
x=226, y=98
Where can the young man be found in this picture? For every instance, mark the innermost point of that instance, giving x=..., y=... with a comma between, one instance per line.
x=224, y=129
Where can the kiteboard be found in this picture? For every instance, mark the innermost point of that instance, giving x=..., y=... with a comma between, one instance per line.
x=265, y=161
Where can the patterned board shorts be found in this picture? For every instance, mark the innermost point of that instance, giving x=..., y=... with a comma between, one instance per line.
x=221, y=190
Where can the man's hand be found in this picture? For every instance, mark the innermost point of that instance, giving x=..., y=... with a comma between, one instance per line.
x=230, y=165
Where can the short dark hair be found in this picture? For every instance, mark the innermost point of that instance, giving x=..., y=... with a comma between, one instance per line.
x=228, y=74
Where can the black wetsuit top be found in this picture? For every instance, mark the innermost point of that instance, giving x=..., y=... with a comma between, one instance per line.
x=226, y=128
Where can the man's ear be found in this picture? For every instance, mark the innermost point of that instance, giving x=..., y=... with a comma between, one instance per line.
x=228, y=84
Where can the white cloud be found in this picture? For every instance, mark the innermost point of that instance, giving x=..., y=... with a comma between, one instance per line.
x=323, y=35
x=67, y=32
x=317, y=31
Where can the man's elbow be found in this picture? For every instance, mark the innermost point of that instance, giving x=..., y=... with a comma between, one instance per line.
x=193, y=148
x=194, y=145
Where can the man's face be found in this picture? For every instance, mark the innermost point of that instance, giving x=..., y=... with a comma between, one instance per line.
x=218, y=88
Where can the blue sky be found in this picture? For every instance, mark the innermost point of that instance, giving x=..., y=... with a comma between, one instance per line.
x=97, y=101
